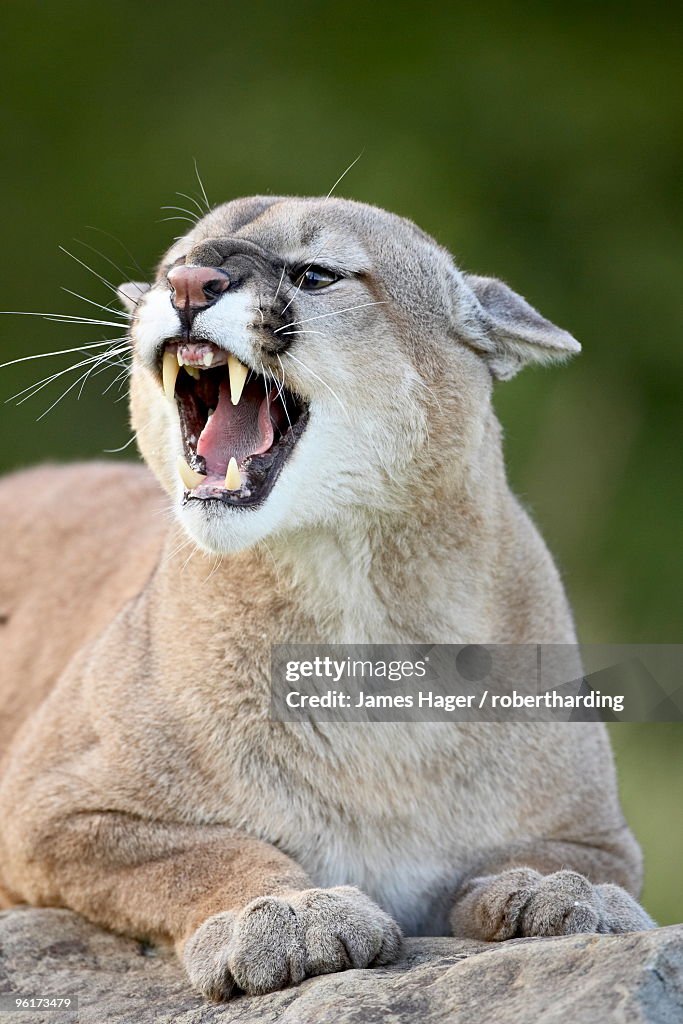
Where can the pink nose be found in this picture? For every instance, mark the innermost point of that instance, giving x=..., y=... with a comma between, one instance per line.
x=197, y=287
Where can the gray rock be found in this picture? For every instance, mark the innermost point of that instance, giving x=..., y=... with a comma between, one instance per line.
x=569, y=980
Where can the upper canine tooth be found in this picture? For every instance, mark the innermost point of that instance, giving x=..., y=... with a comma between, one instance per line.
x=237, y=372
x=169, y=373
x=190, y=477
x=233, y=480
x=193, y=371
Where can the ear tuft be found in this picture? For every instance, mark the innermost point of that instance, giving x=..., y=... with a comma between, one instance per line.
x=130, y=293
x=511, y=332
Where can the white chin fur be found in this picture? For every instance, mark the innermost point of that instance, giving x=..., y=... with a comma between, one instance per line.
x=221, y=530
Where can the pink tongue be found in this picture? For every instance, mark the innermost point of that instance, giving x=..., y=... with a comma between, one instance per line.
x=240, y=430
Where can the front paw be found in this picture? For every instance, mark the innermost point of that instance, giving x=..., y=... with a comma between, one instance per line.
x=277, y=941
x=523, y=902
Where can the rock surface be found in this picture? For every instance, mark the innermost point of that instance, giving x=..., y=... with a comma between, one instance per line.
x=570, y=980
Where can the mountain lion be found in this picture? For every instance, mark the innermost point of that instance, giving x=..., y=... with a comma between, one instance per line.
x=311, y=387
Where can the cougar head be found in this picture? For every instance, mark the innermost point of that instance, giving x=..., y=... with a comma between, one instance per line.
x=296, y=360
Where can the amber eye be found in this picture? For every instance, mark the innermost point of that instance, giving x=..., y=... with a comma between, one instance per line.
x=313, y=278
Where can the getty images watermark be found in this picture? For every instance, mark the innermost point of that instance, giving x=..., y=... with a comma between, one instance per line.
x=477, y=683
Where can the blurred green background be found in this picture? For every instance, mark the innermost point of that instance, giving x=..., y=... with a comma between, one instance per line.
x=541, y=143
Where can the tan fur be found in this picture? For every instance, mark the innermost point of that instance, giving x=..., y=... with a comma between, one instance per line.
x=143, y=782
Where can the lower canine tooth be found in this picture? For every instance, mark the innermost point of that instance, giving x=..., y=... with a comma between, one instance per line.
x=233, y=480
x=193, y=371
x=190, y=477
x=237, y=372
x=169, y=373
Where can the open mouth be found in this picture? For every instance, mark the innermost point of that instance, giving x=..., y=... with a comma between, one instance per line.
x=238, y=427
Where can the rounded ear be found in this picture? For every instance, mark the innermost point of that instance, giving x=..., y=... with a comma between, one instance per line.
x=130, y=293
x=510, y=333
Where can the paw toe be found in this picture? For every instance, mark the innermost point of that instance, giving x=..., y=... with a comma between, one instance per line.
x=564, y=903
x=267, y=950
x=392, y=941
x=205, y=956
x=348, y=918
x=620, y=912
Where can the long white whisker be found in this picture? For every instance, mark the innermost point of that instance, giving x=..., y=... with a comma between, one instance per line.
x=80, y=379
x=279, y=284
x=279, y=384
x=177, y=216
x=39, y=385
x=301, y=332
x=107, y=361
x=265, y=377
x=269, y=374
x=191, y=555
x=335, y=312
x=323, y=382
x=181, y=209
x=90, y=270
x=342, y=176
x=425, y=387
x=61, y=351
x=62, y=318
x=103, y=256
x=275, y=565
x=118, y=241
x=192, y=199
x=189, y=543
x=183, y=543
x=91, y=302
x=219, y=559
x=113, y=352
x=282, y=389
x=201, y=185
x=63, y=395
x=114, y=362
x=125, y=372
x=113, y=451
x=104, y=362
x=298, y=289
